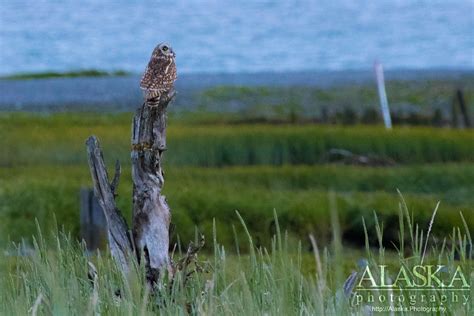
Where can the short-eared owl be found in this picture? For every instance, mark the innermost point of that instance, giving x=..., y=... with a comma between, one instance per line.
x=160, y=73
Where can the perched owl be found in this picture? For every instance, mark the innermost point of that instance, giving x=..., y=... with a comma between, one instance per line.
x=160, y=73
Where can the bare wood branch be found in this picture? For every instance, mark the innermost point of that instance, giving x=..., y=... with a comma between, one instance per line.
x=119, y=241
x=190, y=255
x=151, y=213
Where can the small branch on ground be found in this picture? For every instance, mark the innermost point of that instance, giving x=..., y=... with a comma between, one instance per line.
x=348, y=158
x=190, y=258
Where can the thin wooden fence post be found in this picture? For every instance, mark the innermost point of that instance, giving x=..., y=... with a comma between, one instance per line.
x=382, y=95
x=462, y=106
x=93, y=222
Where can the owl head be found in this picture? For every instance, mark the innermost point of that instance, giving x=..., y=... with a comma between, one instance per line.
x=163, y=50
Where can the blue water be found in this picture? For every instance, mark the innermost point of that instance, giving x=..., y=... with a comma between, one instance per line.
x=236, y=36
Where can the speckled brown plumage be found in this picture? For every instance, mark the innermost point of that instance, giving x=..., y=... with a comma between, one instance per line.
x=160, y=73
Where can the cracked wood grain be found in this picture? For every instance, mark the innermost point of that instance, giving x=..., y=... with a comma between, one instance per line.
x=149, y=240
x=151, y=213
x=117, y=230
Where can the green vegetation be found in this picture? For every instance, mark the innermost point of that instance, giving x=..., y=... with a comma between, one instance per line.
x=298, y=193
x=279, y=280
x=213, y=169
x=414, y=102
x=419, y=92
x=251, y=168
x=59, y=139
x=253, y=150
x=70, y=74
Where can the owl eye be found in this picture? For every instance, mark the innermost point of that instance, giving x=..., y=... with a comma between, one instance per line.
x=164, y=48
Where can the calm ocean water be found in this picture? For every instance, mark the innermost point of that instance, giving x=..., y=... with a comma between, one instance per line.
x=236, y=36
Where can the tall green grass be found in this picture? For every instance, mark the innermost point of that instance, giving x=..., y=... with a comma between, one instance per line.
x=43, y=165
x=299, y=194
x=278, y=145
x=270, y=281
x=59, y=139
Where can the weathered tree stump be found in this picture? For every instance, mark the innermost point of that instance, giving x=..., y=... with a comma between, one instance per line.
x=149, y=239
x=151, y=214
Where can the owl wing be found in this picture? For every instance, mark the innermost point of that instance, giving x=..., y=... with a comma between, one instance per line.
x=160, y=74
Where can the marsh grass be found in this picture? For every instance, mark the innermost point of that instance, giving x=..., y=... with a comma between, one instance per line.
x=212, y=169
x=300, y=193
x=412, y=102
x=59, y=139
x=271, y=281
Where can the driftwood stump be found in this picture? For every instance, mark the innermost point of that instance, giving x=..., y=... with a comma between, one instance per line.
x=149, y=239
x=151, y=214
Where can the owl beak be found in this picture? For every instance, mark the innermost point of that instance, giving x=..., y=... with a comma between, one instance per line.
x=171, y=51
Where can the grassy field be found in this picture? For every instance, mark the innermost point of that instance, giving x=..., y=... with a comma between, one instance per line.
x=281, y=182
x=300, y=195
x=59, y=139
x=214, y=169
x=412, y=102
x=266, y=281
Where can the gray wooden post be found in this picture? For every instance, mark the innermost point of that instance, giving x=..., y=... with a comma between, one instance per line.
x=93, y=223
x=463, y=107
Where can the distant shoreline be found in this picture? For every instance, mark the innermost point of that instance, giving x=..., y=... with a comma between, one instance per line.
x=67, y=74
x=121, y=93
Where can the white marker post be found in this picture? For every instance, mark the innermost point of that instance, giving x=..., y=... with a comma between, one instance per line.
x=382, y=95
